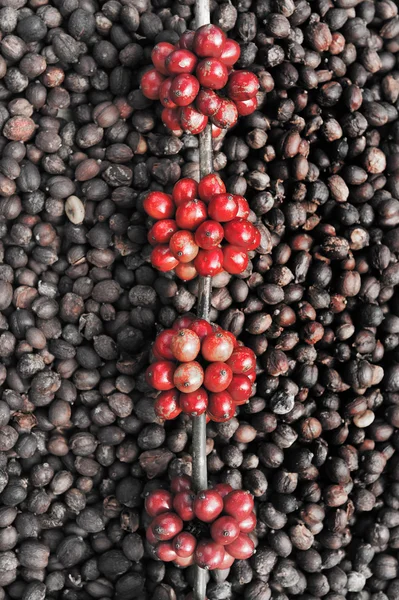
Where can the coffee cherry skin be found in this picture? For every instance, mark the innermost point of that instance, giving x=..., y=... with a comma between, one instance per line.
x=158, y=502
x=226, y=116
x=243, y=207
x=159, y=375
x=167, y=406
x=207, y=102
x=184, y=544
x=217, y=347
x=227, y=562
x=209, y=41
x=208, y=505
x=186, y=40
x=194, y=403
x=150, y=537
x=171, y=119
x=246, y=107
x=164, y=94
x=220, y=407
x=235, y=259
x=185, y=189
x=186, y=271
x=184, y=89
x=209, y=186
x=243, y=85
x=185, y=345
x=240, y=389
x=192, y=120
x=184, y=321
x=217, y=377
x=163, y=342
x=184, y=562
x=162, y=231
x=209, y=235
x=212, y=74
x=180, y=61
x=222, y=208
x=242, y=360
x=223, y=489
x=150, y=84
x=191, y=214
x=165, y=551
x=238, y=504
x=159, y=54
x=183, y=247
x=201, y=327
x=251, y=376
x=166, y=525
x=248, y=524
x=209, y=262
x=242, y=548
x=180, y=483
x=183, y=504
x=188, y=377
x=230, y=53
x=225, y=530
x=159, y=205
x=162, y=258
x=239, y=232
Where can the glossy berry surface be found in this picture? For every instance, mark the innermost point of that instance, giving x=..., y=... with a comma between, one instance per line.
x=183, y=504
x=180, y=61
x=209, y=235
x=209, y=41
x=151, y=84
x=192, y=121
x=159, y=205
x=185, y=345
x=220, y=407
x=222, y=208
x=239, y=504
x=243, y=85
x=184, y=89
x=159, y=54
x=194, y=403
x=166, y=525
x=188, y=377
x=167, y=405
x=235, y=259
x=209, y=555
x=227, y=114
x=218, y=376
x=241, y=548
x=183, y=246
x=184, y=544
x=162, y=231
x=209, y=186
x=160, y=375
x=212, y=74
x=209, y=262
x=162, y=258
x=207, y=102
x=191, y=214
x=208, y=505
x=225, y=530
x=158, y=502
x=230, y=53
x=217, y=347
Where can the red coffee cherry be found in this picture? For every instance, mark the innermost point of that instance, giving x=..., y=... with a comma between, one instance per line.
x=209, y=235
x=242, y=548
x=162, y=231
x=240, y=389
x=239, y=504
x=159, y=54
x=227, y=562
x=184, y=321
x=248, y=524
x=150, y=537
x=159, y=375
x=194, y=403
x=209, y=186
x=208, y=102
x=217, y=347
x=191, y=214
x=162, y=344
x=165, y=551
x=184, y=544
x=216, y=131
x=183, y=504
x=181, y=61
x=209, y=41
x=158, y=502
x=243, y=85
x=151, y=83
x=180, y=483
x=167, y=406
x=183, y=247
x=186, y=271
x=218, y=376
x=185, y=345
x=235, y=259
x=192, y=121
x=209, y=262
x=240, y=232
x=243, y=207
x=159, y=205
x=164, y=94
x=251, y=376
x=166, y=525
x=184, y=89
x=171, y=119
x=246, y=107
x=220, y=407
x=185, y=189
x=230, y=53
x=209, y=555
x=242, y=360
x=188, y=377
x=187, y=39
x=208, y=505
x=212, y=74
x=201, y=327
x=225, y=530
x=223, y=489
x=222, y=208
x=180, y=561
x=226, y=116
x=162, y=258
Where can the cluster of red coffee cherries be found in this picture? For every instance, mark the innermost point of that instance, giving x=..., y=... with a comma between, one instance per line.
x=190, y=99
x=200, y=368
x=210, y=529
x=200, y=229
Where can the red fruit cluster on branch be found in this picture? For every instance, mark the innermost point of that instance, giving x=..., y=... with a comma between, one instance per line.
x=200, y=229
x=187, y=77
x=209, y=529
x=200, y=368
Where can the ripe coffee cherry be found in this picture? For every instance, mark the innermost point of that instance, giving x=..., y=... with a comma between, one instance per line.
x=171, y=119
x=209, y=262
x=184, y=544
x=242, y=360
x=201, y=327
x=191, y=214
x=162, y=231
x=235, y=259
x=225, y=530
x=158, y=502
x=207, y=102
x=209, y=186
x=180, y=483
x=216, y=131
x=185, y=189
x=239, y=504
x=162, y=258
x=180, y=61
x=227, y=562
x=223, y=489
x=208, y=505
x=159, y=375
x=251, y=376
x=162, y=344
x=243, y=85
x=159, y=205
x=240, y=389
x=209, y=235
x=150, y=537
x=185, y=345
x=248, y=524
x=212, y=74
x=243, y=207
x=222, y=208
x=187, y=39
x=226, y=116
x=240, y=232
x=218, y=376
x=242, y=548
x=167, y=405
x=151, y=83
x=164, y=93
x=183, y=247
x=159, y=54
x=183, y=504
x=192, y=121
x=188, y=377
x=220, y=407
x=165, y=551
x=166, y=525
x=184, y=89
x=246, y=107
x=230, y=53
x=217, y=347
x=184, y=321
x=186, y=271
x=209, y=555
x=209, y=41
x=184, y=562
x=194, y=403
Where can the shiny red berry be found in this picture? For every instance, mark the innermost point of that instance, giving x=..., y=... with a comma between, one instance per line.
x=184, y=544
x=216, y=131
x=186, y=271
x=164, y=94
x=162, y=258
x=212, y=73
x=242, y=548
x=171, y=119
x=248, y=524
x=158, y=502
x=209, y=41
x=230, y=53
x=184, y=89
x=240, y=389
x=191, y=214
x=151, y=83
x=167, y=406
x=166, y=525
x=209, y=262
x=184, y=321
x=222, y=208
x=227, y=561
x=180, y=483
x=183, y=504
x=208, y=505
x=209, y=555
x=162, y=344
x=150, y=537
x=217, y=347
x=220, y=407
x=239, y=504
x=251, y=376
x=240, y=232
x=165, y=551
x=180, y=561
x=162, y=231
x=192, y=120
x=187, y=39
x=235, y=259
x=185, y=189
x=183, y=247
x=188, y=377
x=223, y=489
x=181, y=61
x=201, y=327
x=246, y=107
x=225, y=530
x=159, y=375
x=208, y=102
x=185, y=345
x=242, y=360
x=209, y=186
x=209, y=234
x=159, y=205
x=218, y=376
x=159, y=54
x=243, y=207
x=194, y=403
x=243, y=85
x=226, y=116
